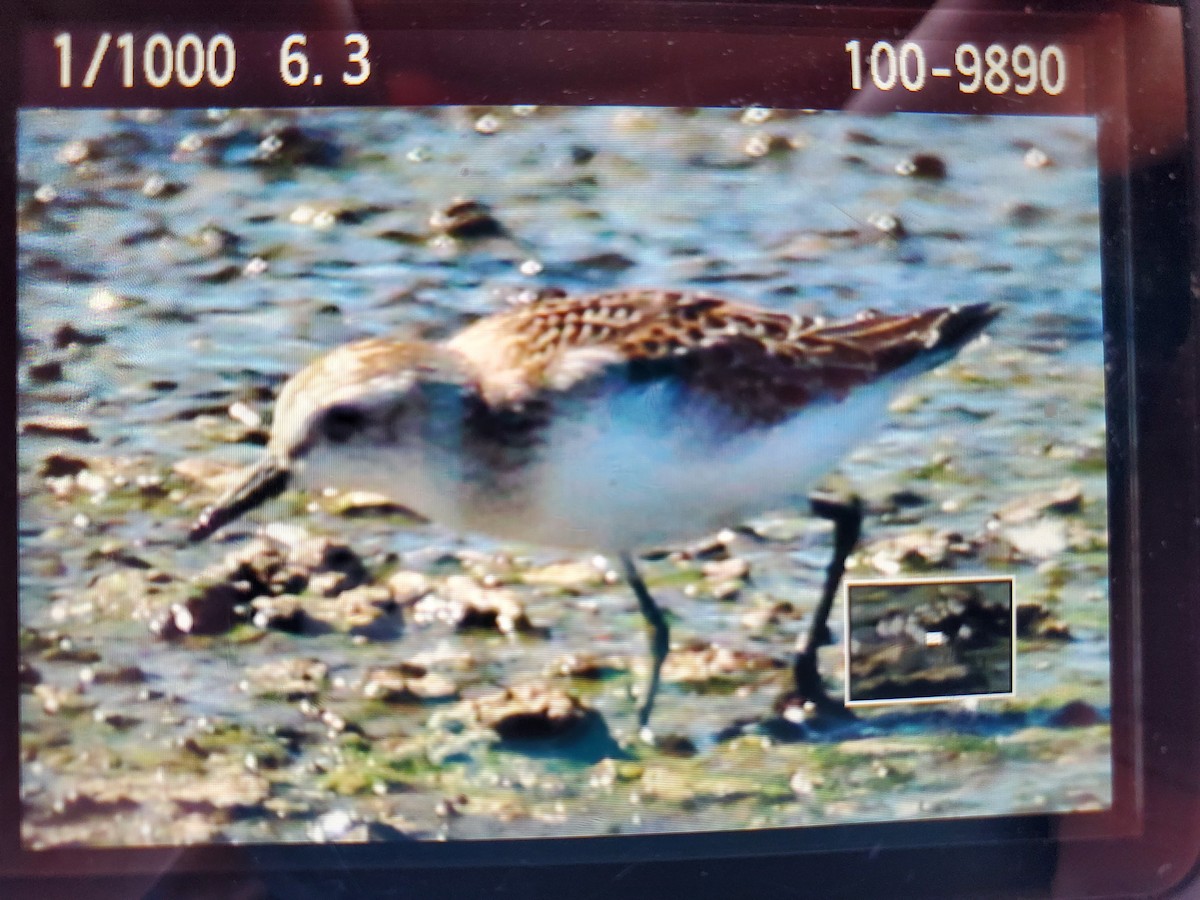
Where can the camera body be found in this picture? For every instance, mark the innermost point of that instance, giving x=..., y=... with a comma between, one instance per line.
x=692, y=446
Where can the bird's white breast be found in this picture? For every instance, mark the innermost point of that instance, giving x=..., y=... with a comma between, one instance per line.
x=635, y=468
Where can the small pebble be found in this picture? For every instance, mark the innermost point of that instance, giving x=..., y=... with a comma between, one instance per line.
x=761, y=145
x=157, y=187
x=106, y=300
x=887, y=224
x=488, y=124
x=1036, y=158
x=249, y=417
x=75, y=152
x=757, y=115
x=332, y=826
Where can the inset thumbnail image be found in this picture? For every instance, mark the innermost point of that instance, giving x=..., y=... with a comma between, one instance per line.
x=921, y=640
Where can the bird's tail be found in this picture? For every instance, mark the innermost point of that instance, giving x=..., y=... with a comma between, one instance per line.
x=927, y=338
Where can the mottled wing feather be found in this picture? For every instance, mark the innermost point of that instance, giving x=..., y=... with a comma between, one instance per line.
x=761, y=366
x=555, y=342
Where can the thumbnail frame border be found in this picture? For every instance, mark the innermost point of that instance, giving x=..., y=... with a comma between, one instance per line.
x=849, y=583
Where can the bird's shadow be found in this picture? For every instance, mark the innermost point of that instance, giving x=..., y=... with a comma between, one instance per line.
x=591, y=741
x=923, y=720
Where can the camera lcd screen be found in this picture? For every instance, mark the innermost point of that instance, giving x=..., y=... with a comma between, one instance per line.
x=396, y=645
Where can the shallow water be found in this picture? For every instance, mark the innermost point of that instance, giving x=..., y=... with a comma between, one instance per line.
x=215, y=290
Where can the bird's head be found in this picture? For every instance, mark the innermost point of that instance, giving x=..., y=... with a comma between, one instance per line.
x=352, y=419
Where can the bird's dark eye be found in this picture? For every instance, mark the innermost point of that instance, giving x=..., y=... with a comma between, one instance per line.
x=342, y=423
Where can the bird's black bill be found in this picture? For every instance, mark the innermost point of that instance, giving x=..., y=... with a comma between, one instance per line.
x=265, y=481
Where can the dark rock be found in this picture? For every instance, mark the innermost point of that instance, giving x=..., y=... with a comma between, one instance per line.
x=115, y=720
x=282, y=613
x=1076, y=714
x=1025, y=214
x=27, y=674
x=118, y=675
x=66, y=651
x=922, y=165
x=720, y=163
x=734, y=729
x=50, y=267
x=861, y=138
x=211, y=611
x=1035, y=621
x=466, y=219
x=400, y=236
x=906, y=498
x=146, y=235
x=222, y=274
x=59, y=427
x=676, y=745
x=604, y=262
x=323, y=555
x=74, y=807
x=61, y=465
x=712, y=550
x=580, y=155
x=117, y=553
x=46, y=372
x=381, y=831
x=67, y=335
x=290, y=145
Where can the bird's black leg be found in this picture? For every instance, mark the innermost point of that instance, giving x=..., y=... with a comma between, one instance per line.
x=660, y=635
x=847, y=516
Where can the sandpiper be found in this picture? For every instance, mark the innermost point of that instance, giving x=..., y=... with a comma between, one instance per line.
x=610, y=422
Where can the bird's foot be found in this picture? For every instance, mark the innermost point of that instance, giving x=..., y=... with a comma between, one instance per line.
x=809, y=690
